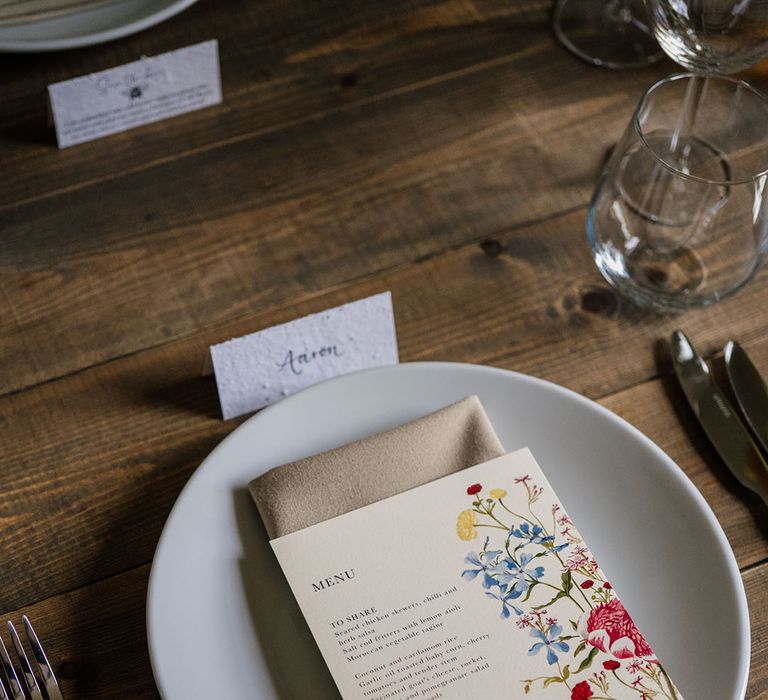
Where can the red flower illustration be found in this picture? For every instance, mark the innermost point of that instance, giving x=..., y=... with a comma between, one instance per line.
x=587, y=584
x=611, y=665
x=581, y=691
x=610, y=629
x=475, y=488
x=607, y=586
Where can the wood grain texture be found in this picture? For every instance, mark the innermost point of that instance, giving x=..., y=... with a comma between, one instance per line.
x=102, y=652
x=155, y=248
x=99, y=456
x=442, y=149
x=756, y=585
x=281, y=62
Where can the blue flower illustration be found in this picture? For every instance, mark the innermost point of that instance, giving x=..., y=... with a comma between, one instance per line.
x=549, y=641
x=482, y=564
x=505, y=604
x=531, y=533
x=515, y=575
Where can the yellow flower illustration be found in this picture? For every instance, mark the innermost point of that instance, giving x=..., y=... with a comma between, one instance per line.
x=465, y=525
x=498, y=493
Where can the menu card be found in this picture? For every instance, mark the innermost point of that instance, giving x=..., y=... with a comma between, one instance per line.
x=474, y=585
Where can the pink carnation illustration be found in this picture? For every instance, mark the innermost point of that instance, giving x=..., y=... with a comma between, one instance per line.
x=610, y=628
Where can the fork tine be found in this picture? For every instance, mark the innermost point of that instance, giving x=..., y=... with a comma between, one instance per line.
x=3, y=692
x=26, y=669
x=49, y=680
x=10, y=673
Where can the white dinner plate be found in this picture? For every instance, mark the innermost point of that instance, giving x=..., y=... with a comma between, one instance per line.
x=92, y=26
x=221, y=620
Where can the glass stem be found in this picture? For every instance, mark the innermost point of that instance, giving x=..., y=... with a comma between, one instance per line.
x=619, y=11
x=661, y=180
x=686, y=121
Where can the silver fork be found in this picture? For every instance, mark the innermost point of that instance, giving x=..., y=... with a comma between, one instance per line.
x=48, y=680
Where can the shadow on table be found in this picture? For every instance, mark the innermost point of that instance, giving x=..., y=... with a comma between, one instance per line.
x=291, y=655
x=196, y=395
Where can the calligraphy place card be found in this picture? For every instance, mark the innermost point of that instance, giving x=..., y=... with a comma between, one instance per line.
x=137, y=93
x=258, y=369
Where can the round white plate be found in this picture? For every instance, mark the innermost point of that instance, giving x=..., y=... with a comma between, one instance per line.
x=220, y=617
x=93, y=26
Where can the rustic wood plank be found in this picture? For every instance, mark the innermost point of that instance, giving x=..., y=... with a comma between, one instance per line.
x=170, y=271
x=157, y=253
x=281, y=61
x=756, y=585
x=95, y=637
x=96, y=459
x=361, y=147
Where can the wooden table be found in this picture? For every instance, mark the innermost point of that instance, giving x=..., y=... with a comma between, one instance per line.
x=443, y=149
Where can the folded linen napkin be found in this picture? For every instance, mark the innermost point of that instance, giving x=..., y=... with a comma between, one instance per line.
x=313, y=489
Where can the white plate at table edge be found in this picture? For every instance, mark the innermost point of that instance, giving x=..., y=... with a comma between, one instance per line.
x=205, y=576
x=88, y=27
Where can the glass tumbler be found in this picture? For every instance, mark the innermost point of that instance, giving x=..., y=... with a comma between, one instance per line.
x=679, y=217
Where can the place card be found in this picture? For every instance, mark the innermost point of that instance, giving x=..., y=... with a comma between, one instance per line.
x=137, y=93
x=474, y=585
x=261, y=368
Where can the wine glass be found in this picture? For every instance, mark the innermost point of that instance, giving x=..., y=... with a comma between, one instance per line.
x=711, y=36
x=607, y=33
x=708, y=37
x=680, y=215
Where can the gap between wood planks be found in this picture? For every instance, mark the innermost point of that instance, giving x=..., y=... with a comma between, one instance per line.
x=314, y=295
x=602, y=399
x=306, y=119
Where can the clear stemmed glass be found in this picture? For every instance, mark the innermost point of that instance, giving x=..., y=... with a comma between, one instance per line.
x=607, y=33
x=711, y=36
x=679, y=216
x=708, y=37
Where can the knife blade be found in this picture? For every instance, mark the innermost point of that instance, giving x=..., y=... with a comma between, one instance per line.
x=750, y=391
x=722, y=425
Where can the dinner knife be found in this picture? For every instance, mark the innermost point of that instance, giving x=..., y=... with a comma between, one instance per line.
x=750, y=391
x=718, y=418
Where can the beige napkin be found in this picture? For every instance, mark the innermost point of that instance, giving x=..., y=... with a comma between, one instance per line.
x=310, y=490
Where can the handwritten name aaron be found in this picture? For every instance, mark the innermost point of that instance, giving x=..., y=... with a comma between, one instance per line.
x=297, y=361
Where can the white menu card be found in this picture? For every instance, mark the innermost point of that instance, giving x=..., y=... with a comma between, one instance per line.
x=475, y=585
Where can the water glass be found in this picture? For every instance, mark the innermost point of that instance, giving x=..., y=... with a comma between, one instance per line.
x=679, y=217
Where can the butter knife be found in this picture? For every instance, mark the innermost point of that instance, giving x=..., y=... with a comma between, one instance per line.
x=750, y=391
x=722, y=425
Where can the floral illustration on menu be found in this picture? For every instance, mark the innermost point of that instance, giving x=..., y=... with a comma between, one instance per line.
x=547, y=584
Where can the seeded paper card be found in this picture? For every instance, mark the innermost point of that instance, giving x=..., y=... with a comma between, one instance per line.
x=256, y=370
x=136, y=93
x=475, y=585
